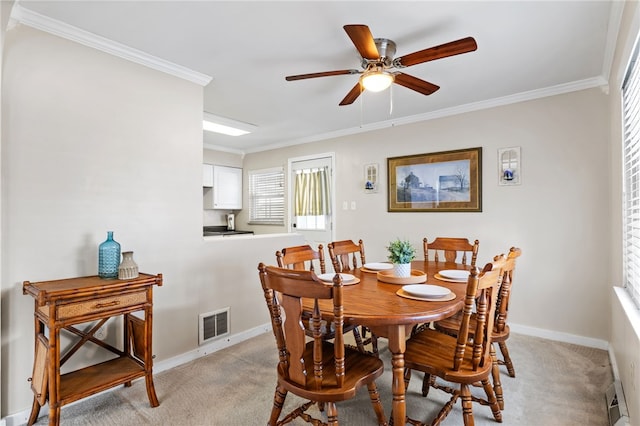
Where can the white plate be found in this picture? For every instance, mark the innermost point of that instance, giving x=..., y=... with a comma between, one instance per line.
x=328, y=277
x=426, y=290
x=455, y=274
x=378, y=266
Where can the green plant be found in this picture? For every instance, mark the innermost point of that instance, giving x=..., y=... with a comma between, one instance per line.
x=401, y=251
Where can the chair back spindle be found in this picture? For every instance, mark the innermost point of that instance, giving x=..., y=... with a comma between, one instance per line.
x=502, y=308
x=482, y=291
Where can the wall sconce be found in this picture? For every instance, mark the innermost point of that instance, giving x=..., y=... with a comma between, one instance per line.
x=371, y=178
x=509, y=166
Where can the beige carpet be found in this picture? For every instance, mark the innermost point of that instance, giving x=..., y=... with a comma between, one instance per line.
x=557, y=384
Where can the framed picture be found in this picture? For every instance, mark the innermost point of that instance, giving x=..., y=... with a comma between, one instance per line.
x=448, y=181
x=509, y=167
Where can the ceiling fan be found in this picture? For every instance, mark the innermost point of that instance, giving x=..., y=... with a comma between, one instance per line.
x=378, y=63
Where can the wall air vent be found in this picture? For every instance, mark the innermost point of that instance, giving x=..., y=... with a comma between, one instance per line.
x=616, y=405
x=213, y=325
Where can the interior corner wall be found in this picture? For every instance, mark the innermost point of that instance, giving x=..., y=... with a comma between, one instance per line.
x=625, y=320
x=558, y=215
x=93, y=143
x=5, y=13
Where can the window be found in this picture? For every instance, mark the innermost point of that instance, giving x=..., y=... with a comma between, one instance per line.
x=312, y=203
x=631, y=177
x=266, y=197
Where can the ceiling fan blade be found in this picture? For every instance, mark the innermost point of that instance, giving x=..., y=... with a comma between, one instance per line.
x=352, y=95
x=414, y=83
x=361, y=37
x=320, y=74
x=457, y=47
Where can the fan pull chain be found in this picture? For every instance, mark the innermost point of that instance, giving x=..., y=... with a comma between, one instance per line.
x=362, y=95
x=391, y=100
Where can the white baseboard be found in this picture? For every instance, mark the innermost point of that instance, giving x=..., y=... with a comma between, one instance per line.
x=20, y=418
x=614, y=364
x=210, y=348
x=559, y=336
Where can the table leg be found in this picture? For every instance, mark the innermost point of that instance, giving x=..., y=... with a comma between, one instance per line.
x=35, y=407
x=35, y=410
x=397, y=346
x=54, y=375
x=151, y=390
x=148, y=357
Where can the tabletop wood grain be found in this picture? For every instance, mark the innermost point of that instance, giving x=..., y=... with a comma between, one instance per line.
x=375, y=303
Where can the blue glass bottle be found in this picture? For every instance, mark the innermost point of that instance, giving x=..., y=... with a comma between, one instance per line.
x=108, y=257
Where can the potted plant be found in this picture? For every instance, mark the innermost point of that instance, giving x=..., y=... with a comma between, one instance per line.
x=401, y=253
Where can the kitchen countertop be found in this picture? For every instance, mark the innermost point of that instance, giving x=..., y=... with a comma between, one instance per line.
x=223, y=231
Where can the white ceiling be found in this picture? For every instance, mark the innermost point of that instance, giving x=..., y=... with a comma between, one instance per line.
x=525, y=50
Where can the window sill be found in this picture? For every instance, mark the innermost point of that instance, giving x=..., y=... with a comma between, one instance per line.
x=630, y=310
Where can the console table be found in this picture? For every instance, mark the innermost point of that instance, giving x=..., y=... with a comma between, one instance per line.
x=62, y=304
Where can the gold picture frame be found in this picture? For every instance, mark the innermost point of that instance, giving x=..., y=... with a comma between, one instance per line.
x=447, y=181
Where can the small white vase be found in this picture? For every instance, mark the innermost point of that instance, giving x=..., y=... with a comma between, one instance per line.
x=402, y=269
x=128, y=268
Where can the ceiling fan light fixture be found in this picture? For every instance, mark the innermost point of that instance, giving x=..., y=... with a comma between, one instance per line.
x=376, y=81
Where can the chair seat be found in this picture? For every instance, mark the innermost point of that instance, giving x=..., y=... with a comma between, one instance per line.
x=430, y=351
x=452, y=324
x=362, y=368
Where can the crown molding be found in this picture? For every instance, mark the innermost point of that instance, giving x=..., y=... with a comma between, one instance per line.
x=447, y=112
x=69, y=32
x=214, y=147
x=613, y=29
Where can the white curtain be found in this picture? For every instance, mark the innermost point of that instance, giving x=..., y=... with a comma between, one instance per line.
x=312, y=194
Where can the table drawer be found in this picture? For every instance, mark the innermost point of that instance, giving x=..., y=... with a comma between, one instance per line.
x=100, y=305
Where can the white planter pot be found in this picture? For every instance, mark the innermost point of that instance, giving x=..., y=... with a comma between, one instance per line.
x=402, y=269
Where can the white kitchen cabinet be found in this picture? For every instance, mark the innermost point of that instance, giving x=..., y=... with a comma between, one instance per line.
x=226, y=193
x=207, y=175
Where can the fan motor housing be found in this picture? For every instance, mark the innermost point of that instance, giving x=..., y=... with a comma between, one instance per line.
x=386, y=50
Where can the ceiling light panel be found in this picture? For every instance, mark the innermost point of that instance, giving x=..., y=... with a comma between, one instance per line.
x=226, y=126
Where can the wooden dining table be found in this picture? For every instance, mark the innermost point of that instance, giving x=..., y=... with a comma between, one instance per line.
x=375, y=304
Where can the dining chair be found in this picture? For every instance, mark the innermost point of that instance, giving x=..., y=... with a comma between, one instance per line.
x=457, y=359
x=501, y=330
x=452, y=248
x=302, y=258
x=317, y=371
x=347, y=256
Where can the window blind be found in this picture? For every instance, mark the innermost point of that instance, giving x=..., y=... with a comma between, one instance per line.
x=266, y=196
x=631, y=178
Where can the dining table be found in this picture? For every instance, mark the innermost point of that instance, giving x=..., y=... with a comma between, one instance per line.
x=377, y=305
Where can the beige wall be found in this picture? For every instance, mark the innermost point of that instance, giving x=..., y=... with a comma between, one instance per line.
x=5, y=12
x=92, y=143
